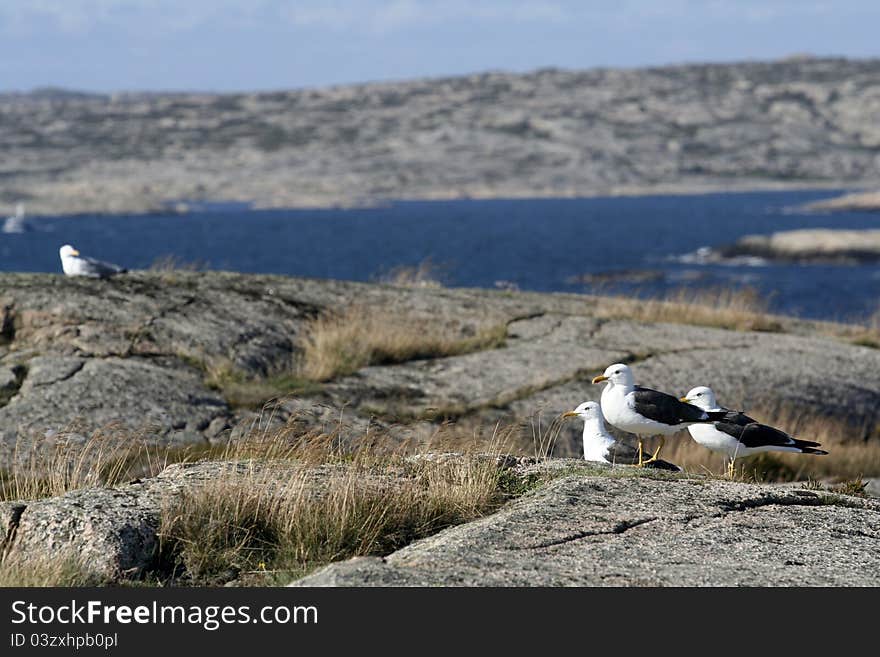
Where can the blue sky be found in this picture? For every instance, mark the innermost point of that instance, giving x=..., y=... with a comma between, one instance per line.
x=224, y=45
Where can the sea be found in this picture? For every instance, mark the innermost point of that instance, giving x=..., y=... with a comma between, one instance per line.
x=626, y=245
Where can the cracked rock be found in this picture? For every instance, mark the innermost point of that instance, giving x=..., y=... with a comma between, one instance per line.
x=591, y=530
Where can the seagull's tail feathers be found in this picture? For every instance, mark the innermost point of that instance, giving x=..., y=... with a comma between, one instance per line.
x=664, y=465
x=808, y=447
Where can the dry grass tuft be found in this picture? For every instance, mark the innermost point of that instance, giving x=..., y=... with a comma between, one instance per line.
x=741, y=309
x=868, y=334
x=44, y=570
x=54, y=465
x=289, y=499
x=304, y=501
x=337, y=345
x=171, y=263
x=241, y=391
x=424, y=275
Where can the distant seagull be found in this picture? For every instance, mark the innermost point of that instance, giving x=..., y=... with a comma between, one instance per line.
x=17, y=223
x=736, y=434
x=643, y=411
x=75, y=265
x=599, y=445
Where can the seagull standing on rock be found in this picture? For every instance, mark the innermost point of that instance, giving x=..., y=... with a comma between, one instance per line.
x=736, y=434
x=645, y=412
x=599, y=445
x=74, y=264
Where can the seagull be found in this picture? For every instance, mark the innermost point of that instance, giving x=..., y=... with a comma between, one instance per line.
x=75, y=265
x=736, y=434
x=599, y=445
x=643, y=411
x=16, y=223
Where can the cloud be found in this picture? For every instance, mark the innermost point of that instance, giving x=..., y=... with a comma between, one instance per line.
x=387, y=17
x=380, y=18
x=83, y=16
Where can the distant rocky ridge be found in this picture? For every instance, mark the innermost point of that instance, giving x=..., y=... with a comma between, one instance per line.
x=784, y=124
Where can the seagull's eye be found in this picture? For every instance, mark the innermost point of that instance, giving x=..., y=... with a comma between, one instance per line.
x=699, y=394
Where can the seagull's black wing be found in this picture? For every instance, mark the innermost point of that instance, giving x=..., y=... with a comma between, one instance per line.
x=101, y=269
x=735, y=417
x=755, y=434
x=666, y=409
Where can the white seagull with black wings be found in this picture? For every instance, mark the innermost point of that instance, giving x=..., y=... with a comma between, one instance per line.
x=74, y=264
x=736, y=434
x=599, y=445
x=643, y=411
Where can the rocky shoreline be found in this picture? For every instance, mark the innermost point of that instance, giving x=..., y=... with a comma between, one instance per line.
x=809, y=123
x=832, y=245
x=855, y=202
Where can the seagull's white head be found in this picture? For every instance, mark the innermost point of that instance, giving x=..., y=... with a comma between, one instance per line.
x=617, y=375
x=67, y=251
x=587, y=411
x=701, y=396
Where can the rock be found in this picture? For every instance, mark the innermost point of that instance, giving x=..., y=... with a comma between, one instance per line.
x=835, y=245
x=134, y=392
x=627, y=276
x=46, y=370
x=540, y=352
x=216, y=427
x=114, y=531
x=592, y=524
x=10, y=512
x=8, y=380
x=639, y=531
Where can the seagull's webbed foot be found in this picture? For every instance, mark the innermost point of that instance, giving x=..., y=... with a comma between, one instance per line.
x=656, y=451
x=730, y=468
x=641, y=456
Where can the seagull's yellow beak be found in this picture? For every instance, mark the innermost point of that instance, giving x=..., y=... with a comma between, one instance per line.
x=74, y=252
x=684, y=399
x=569, y=414
x=600, y=378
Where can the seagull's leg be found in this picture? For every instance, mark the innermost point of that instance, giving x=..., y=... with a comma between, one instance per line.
x=641, y=462
x=657, y=451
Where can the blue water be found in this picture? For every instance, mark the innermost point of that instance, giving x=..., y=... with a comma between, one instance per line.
x=539, y=244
